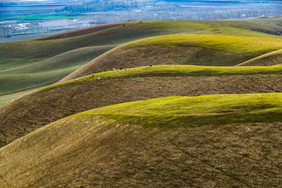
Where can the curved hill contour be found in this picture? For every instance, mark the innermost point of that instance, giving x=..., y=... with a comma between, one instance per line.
x=190, y=49
x=85, y=31
x=57, y=101
x=201, y=141
x=16, y=57
x=271, y=58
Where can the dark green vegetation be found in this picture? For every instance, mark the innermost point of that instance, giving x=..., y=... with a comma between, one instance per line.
x=57, y=101
x=166, y=142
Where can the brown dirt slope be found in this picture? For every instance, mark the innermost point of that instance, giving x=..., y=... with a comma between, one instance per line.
x=83, y=151
x=84, y=31
x=272, y=58
x=41, y=108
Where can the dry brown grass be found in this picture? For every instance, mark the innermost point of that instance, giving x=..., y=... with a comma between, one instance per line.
x=87, y=151
x=41, y=108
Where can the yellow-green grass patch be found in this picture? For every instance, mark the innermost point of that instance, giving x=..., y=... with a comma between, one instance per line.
x=196, y=111
x=173, y=70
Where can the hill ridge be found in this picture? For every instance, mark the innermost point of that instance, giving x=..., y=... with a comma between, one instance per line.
x=107, y=152
x=55, y=102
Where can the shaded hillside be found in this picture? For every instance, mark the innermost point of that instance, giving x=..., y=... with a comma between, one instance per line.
x=57, y=101
x=32, y=51
x=180, y=49
x=166, y=142
x=270, y=25
x=46, y=71
x=17, y=55
x=271, y=58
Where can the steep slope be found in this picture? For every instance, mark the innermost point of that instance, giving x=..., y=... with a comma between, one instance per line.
x=271, y=58
x=215, y=140
x=57, y=101
x=180, y=49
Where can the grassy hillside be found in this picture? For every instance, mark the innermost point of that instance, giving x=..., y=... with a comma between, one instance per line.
x=33, y=51
x=11, y=97
x=268, y=59
x=271, y=25
x=26, y=56
x=181, y=49
x=17, y=77
x=215, y=140
x=57, y=101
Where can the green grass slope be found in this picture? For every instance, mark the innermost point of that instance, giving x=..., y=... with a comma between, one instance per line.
x=214, y=140
x=271, y=25
x=102, y=89
x=31, y=51
x=20, y=77
x=11, y=97
x=17, y=55
x=268, y=59
x=180, y=49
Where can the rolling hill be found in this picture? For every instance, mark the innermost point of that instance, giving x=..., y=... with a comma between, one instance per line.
x=57, y=101
x=34, y=53
x=45, y=72
x=189, y=49
x=271, y=25
x=194, y=104
x=214, y=140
